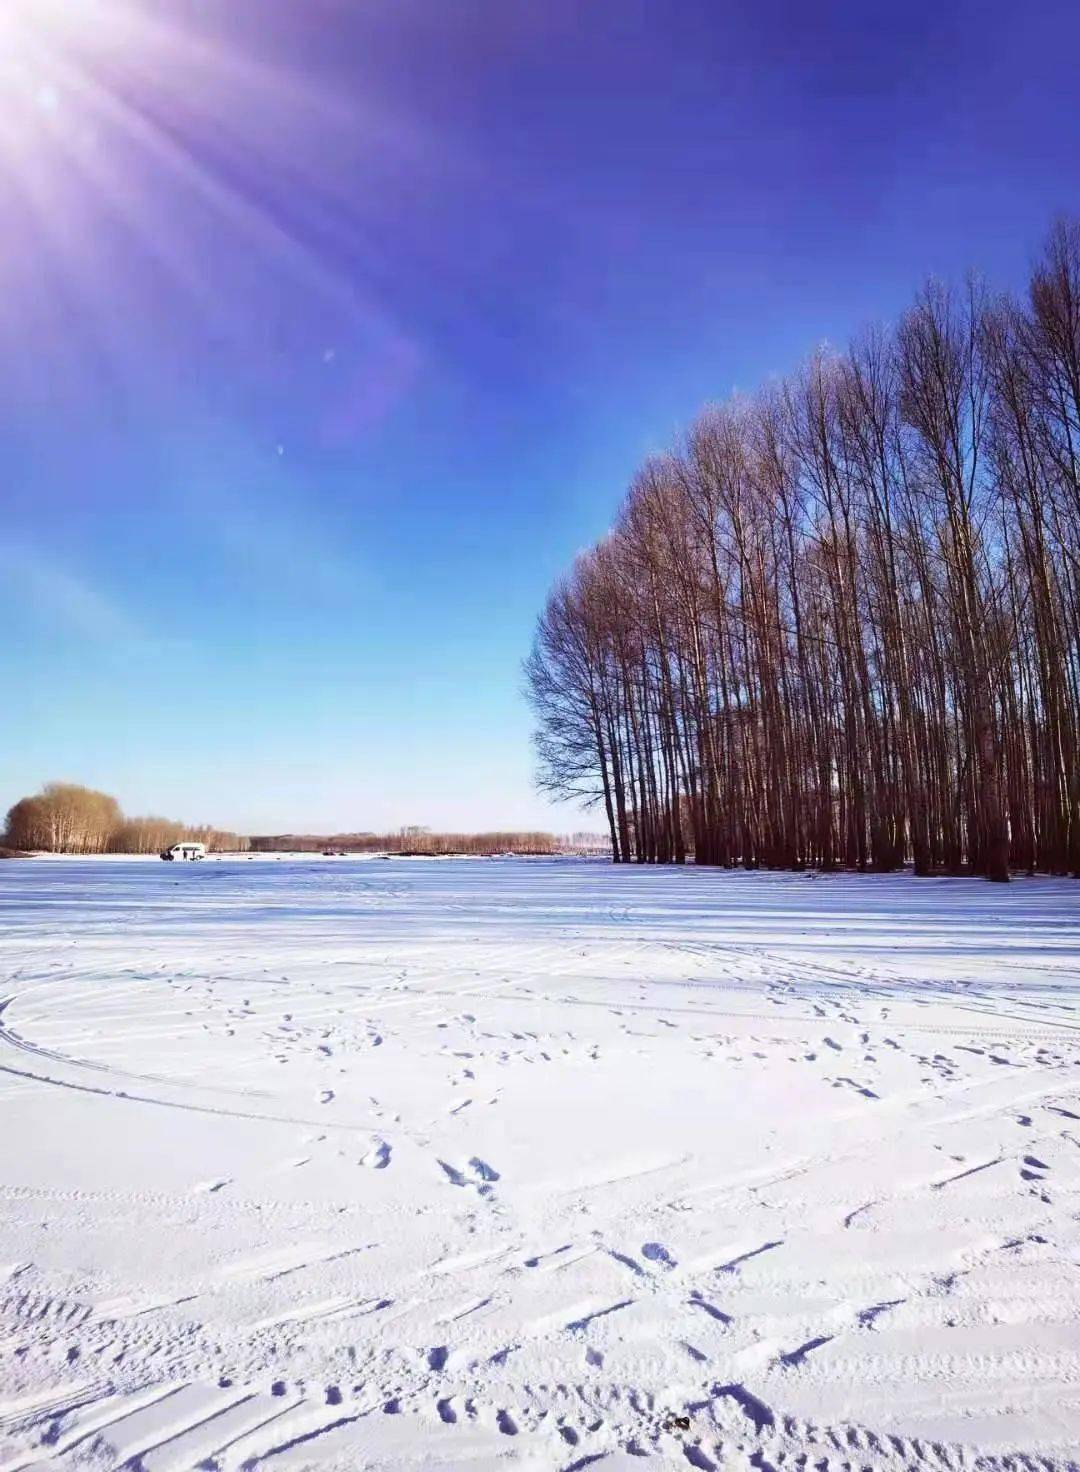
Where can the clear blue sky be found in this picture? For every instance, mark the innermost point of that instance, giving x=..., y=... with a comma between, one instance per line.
x=332, y=331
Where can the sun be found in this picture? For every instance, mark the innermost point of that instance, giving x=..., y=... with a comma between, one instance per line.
x=45, y=45
x=58, y=62
x=63, y=132
x=40, y=42
x=142, y=122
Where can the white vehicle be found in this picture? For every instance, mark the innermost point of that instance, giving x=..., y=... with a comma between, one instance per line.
x=185, y=851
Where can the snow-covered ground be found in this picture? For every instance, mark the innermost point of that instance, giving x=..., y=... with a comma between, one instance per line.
x=545, y=1164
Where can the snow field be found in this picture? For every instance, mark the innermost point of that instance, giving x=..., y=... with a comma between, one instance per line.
x=535, y=1163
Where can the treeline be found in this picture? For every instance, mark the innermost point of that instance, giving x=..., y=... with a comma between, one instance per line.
x=64, y=818
x=411, y=841
x=839, y=623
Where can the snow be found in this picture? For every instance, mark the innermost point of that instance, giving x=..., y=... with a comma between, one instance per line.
x=318, y=1163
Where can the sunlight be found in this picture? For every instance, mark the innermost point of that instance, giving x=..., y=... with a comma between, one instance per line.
x=34, y=33
x=107, y=105
x=27, y=24
x=46, y=48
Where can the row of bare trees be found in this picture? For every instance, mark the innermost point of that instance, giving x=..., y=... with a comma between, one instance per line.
x=839, y=624
x=415, y=840
x=64, y=818
x=152, y=835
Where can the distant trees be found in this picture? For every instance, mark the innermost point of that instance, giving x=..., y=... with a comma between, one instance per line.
x=64, y=818
x=145, y=835
x=415, y=840
x=839, y=624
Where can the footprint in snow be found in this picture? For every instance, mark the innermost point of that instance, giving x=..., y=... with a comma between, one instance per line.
x=477, y=1173
x=378, y=1157
x=657, y=1252
x=1033, y=1169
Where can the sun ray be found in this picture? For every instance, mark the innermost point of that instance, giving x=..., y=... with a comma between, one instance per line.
x=110, y=117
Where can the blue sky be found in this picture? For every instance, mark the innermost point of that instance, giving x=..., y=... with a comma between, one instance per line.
x=330, y=332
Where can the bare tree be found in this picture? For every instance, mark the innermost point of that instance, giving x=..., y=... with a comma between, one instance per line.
x=840, y=624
